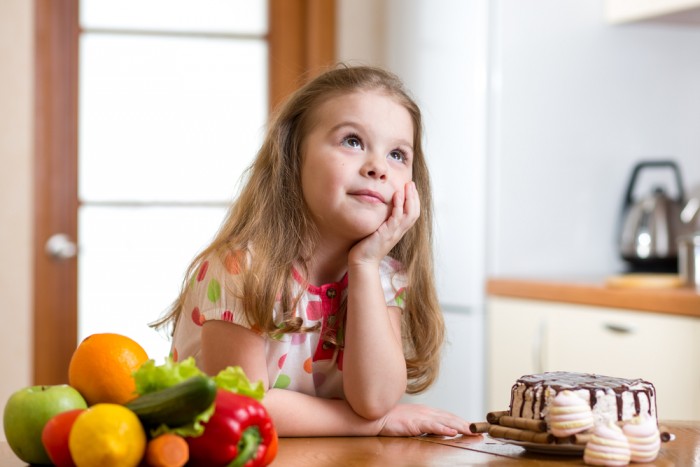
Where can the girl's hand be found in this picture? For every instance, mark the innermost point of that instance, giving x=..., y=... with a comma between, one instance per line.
x=416, y=420
x=404, y=213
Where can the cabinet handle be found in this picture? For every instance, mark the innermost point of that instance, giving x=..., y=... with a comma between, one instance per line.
x=619, y=328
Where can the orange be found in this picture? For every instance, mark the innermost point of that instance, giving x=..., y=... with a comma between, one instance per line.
x=102, y=365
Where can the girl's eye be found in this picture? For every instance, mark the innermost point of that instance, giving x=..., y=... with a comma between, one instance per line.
x=352, y=141
x=398, y=155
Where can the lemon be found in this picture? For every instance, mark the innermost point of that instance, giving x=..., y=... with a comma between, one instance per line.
x=107, y=435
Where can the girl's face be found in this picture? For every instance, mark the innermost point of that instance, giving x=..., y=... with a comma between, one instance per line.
x=358, y=152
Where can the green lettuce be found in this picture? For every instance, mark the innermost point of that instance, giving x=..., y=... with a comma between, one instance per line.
x=151, y=377
x=234, y=379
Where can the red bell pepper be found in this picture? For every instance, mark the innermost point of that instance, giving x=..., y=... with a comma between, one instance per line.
x=239, y=433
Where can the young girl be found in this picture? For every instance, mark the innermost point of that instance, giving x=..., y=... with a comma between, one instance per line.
x=320, y=281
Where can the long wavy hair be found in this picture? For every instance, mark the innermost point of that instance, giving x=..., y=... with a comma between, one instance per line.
x=271, y=217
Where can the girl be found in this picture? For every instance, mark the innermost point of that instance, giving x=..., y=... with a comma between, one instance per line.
x=320, y=281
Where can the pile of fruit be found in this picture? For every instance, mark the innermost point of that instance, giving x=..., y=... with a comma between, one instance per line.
x=120, y=409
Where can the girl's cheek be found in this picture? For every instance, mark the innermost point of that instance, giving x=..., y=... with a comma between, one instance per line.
x=388, y=213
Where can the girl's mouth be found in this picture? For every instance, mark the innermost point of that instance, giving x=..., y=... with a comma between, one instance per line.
x=369, y=196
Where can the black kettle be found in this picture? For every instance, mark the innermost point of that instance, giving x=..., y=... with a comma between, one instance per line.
x=650, y=225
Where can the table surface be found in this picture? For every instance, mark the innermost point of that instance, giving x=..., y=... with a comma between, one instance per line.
x=684, y=450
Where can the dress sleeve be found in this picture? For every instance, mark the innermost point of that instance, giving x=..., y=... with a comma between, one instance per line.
x=394, y=282
x=212, y=294
x=215, y=292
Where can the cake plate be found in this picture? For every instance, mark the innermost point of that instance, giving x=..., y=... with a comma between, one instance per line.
x=539, y=448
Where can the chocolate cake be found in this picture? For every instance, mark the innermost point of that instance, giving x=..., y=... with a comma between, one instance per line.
x=611, y=399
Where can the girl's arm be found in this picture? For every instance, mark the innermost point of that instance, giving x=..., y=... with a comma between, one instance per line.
x=374, y=367
x=297, y=414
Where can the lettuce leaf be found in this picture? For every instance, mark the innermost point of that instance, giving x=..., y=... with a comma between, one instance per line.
x=193, y=429
x=151, y=377
x=234, y=379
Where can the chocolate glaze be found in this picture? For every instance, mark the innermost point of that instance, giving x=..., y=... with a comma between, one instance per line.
x=563, y=380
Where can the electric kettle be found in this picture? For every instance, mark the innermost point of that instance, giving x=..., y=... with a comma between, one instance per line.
x=651, y=224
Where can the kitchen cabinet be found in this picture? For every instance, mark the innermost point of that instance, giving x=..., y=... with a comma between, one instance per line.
x=679, y=11
x=528, y=336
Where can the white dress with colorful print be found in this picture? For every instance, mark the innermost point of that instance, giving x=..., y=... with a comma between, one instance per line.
x=298, y=361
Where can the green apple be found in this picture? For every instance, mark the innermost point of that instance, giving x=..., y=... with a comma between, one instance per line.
x=26, y=413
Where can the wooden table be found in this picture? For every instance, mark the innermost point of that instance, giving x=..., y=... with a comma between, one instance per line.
x=433, y=451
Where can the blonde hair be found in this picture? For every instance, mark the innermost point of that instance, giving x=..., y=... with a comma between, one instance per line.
x=271, y=215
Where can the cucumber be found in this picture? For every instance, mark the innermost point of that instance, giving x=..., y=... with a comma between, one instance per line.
x=177, y=405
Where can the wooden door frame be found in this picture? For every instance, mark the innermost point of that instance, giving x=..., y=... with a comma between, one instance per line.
x=55, y=186
x=301, y=42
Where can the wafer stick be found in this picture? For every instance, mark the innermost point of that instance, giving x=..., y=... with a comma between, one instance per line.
x=666, y=435
x=498, y=431
x=539, y=426
x=479, y=427
x=566, y=440
x=493, y=417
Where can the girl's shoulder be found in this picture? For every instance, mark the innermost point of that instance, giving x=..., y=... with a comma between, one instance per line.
x=217, y=270
x=231, y=262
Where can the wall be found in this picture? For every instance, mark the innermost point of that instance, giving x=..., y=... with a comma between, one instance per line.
x=535, y=114
x=575, y=103
x=16, y=80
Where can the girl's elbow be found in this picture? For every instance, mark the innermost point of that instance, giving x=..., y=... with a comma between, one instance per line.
x=374, y=401
x=372, y=408
x=371, y=411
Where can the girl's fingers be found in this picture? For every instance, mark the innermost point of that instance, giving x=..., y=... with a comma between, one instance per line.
x=410, y=207
x=449, y=424
x=412, y=203
x=399, y=206
x=405, y=209
x=444, y=430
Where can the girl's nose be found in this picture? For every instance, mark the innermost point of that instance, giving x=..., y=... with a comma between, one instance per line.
x=375, y=167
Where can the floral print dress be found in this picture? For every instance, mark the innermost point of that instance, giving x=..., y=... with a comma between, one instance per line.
x=300, y=362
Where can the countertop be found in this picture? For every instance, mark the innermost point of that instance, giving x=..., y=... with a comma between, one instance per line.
x=673, y=300
x=434, y=451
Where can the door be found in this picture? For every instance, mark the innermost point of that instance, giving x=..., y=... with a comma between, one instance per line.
x=115, y=226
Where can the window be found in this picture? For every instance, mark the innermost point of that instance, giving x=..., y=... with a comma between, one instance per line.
x=147, y=113
x=172, y=103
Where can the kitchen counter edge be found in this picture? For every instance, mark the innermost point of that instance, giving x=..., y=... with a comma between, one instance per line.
x=678, y=301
